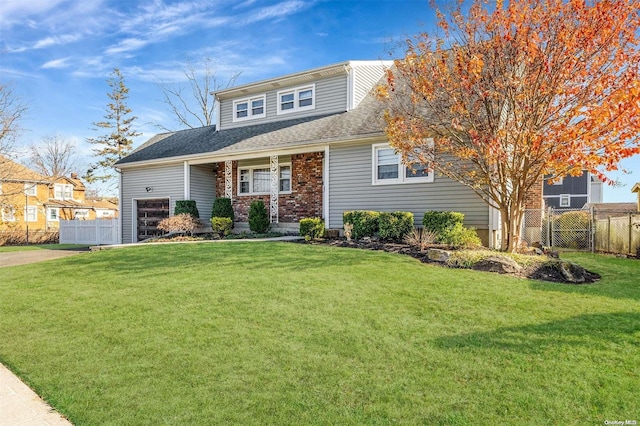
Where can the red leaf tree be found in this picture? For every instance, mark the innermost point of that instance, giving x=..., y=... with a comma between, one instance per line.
x=516, y=92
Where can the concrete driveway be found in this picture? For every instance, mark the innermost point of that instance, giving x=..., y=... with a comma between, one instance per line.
x=32, y=256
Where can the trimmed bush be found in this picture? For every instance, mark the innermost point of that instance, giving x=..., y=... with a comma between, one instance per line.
x=221, y=226
x=312, y=228
x=365, y=222
x=441, y=222
x=183, y=222
x=222, y=208
x=258, y=217
x=395, y=226
x=186, y=206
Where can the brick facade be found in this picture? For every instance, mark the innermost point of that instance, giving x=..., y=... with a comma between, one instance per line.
x=305, y=199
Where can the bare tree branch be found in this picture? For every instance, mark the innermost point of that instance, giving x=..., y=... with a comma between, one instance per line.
x=53, y=157
x=192, y=103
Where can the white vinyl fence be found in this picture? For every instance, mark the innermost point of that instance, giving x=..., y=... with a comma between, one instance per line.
x=99, y=231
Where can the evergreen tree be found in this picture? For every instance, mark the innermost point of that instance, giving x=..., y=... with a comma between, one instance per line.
x=118, y=142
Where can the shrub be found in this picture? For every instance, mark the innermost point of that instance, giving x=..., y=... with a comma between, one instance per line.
x=186, y=206
x=441, y=222
x=258, y=217
x=460, y=236
x=222, y=208
x=420, y=238
x=395, y=226
x=183, y=222
x=221, y=226
x=365, y=223
x=312, y=228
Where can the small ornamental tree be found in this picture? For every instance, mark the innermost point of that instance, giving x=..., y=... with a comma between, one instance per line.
x=258, y=217
x=508, y=92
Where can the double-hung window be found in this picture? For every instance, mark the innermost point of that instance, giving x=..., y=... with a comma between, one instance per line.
x=298, y=99
x=8, y=213
x=565, y=200
x=249, y=108
x=31, y=214
x=257, y=180
x=63, y=192
x=53, y=214
x=30, y=189
x=388, y=168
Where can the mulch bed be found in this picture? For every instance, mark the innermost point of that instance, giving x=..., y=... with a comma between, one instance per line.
x=547, y=271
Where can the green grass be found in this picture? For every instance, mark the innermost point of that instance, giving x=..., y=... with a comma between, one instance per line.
x=281, y=333
x=6, y=249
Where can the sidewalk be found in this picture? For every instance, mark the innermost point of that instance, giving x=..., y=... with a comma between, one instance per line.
x=20, y=406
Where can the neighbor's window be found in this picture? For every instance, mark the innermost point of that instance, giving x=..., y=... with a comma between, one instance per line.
x=257, y=180
x=81, y=214
x=388, y=168
x=30, y=189
x=54, y=214
x=31, y=214
x=565, y=200
x=298, y=99
x=8, y=213
x=63, y=192
x=250, y=108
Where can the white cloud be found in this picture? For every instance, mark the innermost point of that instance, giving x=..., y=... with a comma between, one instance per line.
x=56, y=63
x=55, y=40
x=277, y=11
x=16, y=11
x=127, y=45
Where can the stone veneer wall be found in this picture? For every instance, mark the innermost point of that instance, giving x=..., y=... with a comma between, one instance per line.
x=305, y=199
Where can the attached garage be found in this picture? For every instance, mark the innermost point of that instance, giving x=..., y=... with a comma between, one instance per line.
x=149, y=214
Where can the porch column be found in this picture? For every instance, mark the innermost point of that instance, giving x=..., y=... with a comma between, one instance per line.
x=228, y=179
x=275, y=181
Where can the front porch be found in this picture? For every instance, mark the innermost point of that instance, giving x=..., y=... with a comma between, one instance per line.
x=291, y=186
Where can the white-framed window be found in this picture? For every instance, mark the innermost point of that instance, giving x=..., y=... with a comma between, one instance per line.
x=105, y=213
x=565, y=200
x=63, y=191
x=250, y=108
x=388, y=168
x=53, y=214
x=31, y=214
x=81, y=214
x=30, y=189
x=8, y=213
x=559, y=181
x=257, y=180
x=298, y=99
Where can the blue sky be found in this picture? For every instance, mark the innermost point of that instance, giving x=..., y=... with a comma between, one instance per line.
x=59, y=53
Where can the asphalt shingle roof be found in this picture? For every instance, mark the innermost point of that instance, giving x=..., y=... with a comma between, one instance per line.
x=364, y=120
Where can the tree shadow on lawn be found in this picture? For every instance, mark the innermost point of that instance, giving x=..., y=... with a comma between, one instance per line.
x=596, y=331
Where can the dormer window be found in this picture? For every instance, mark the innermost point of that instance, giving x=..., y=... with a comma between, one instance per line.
x=250, y=108
x=298, y=99
x=63, y=192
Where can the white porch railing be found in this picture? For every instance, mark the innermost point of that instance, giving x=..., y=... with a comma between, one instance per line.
x=99, y=231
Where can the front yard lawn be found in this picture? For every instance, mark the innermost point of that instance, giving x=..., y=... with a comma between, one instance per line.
x=281, y=333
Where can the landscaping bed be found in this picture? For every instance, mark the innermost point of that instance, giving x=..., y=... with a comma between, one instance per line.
x=539, y=267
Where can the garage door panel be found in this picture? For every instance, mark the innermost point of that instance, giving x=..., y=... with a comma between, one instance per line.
x=149, y=215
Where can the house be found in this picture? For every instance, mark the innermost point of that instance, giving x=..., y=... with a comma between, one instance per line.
x=309, y=144
x=31, y=200
x=573, y=192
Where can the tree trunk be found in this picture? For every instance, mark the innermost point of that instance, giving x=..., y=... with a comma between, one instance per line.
x=511, y=227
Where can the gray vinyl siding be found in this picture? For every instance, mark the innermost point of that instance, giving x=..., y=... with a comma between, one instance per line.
x=165, y=181
x=203, y=189
x=365, y=78
x=351, y=188
x=330, y=97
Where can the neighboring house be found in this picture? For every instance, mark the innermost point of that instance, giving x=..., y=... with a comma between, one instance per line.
x=309, y=144
x=29, y=199
x=573, y=192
